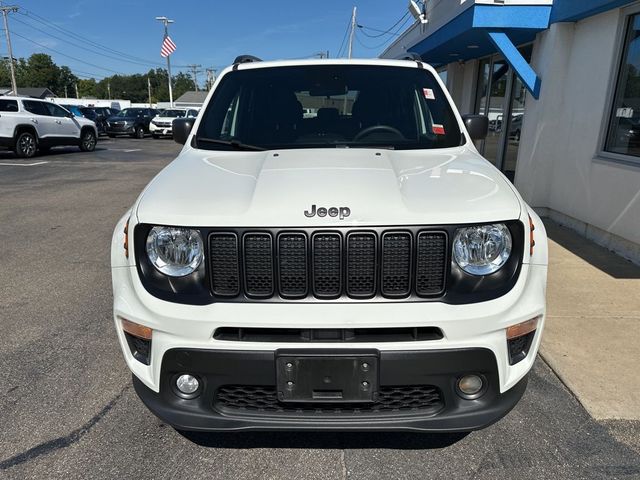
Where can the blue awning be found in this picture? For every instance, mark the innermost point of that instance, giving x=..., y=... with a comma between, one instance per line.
x=484, y=29
x=574, y=10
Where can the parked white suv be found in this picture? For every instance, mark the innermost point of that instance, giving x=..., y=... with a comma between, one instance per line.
x=161, y=124
x=28, y=125
x=361, y=269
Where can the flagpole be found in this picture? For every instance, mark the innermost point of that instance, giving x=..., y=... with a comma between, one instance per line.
x=166, y=23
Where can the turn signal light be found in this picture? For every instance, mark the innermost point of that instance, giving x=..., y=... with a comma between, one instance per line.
x=136, y=329
x=126, y=239
x=523, y=328
x=532, y=242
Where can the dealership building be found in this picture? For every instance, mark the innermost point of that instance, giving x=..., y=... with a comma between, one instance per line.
x=560, y=83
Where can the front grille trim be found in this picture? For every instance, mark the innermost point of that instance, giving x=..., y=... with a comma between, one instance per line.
x=284, y=291
x=234, y=288
x=387, y=275
x=346, y=287
x=349, y=256
x=249, y=282
x=316, y=284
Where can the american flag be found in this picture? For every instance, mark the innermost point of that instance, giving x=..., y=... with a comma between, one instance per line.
x=168, y=47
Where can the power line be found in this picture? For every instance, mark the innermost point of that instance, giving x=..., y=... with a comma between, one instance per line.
x=375, y=47
x=344, y=38
x=388, y=31
x=68, y=56
x=364, y=28
x=44, y=21
x=96, y=52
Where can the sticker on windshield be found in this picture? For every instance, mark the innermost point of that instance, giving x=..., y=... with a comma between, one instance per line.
x=428, y=94
x=438, y=129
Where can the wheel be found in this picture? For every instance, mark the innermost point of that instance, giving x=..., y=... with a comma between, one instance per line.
x=26, y=145
x=87, y=141
x=139, y=133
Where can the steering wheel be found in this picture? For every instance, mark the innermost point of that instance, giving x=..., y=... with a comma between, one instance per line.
x=378, y=128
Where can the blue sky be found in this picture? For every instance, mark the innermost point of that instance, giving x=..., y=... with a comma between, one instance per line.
x=210, y=33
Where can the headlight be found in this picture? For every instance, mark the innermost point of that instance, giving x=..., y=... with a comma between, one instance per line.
x=482, y=250
x=175, y=251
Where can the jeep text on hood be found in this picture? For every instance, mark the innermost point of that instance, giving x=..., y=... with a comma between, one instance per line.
x=329, y=251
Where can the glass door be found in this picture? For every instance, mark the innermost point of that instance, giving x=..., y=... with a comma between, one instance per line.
x=501, y=97
x=514, y=130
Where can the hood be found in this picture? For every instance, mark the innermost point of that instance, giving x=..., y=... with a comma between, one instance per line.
x=385, y=187
x=165, y=119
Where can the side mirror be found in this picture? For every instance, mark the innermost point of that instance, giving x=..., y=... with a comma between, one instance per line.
x=477, y=126
x=181, y=128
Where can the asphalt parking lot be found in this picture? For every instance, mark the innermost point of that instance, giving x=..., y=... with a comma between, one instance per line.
x=67, y=409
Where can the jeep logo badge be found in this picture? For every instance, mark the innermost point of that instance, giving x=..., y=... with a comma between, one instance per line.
x=341, y=212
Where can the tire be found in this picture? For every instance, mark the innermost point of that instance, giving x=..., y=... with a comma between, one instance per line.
x=88, y=141
x=139, y=133
x=26, y=145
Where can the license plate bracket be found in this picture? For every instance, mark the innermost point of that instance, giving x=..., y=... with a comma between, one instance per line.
x=327, y=378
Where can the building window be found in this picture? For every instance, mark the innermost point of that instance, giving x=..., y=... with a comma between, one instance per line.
x=623, y=134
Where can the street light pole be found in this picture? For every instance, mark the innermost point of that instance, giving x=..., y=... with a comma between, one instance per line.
x=165, y=21
x=5, y=11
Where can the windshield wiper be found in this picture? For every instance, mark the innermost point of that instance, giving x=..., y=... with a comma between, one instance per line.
x=231, y=143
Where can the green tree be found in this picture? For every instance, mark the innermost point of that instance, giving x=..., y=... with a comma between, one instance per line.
x=182, y=83
x=87, y=88
x=41, y=72
x=66, y=79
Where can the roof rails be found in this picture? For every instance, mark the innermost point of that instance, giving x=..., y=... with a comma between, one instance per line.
x=410, y=56
x=246, y=59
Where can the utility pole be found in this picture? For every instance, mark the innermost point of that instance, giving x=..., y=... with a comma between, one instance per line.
x=194, y=71
x=149, y=89
x=5, y=11
x=65, y=92
x=165, y=21
x=353, y=31
x=211, y=77
x=77, y=96
x=109, y=89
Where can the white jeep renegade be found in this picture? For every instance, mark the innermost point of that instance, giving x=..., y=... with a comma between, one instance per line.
x=28, y=126
x=361, y=267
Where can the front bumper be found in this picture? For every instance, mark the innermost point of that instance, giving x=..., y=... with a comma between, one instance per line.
x=120, y=130
x=247, y=370
x=469, y=327
x=160, y=130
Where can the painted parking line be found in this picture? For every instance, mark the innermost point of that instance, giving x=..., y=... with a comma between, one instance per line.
x=22, y=164
x=124, y=150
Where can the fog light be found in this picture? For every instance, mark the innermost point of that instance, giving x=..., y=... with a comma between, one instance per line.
x=471, y=386
x=187, y=384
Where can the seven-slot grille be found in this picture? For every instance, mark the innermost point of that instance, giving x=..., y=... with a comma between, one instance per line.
x=327, y=265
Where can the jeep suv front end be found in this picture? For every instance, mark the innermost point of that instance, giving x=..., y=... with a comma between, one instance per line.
x=362, y=268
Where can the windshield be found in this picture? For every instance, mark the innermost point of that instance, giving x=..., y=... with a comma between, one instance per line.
x=172, y=113
x=130, y=112
x=329, y=106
